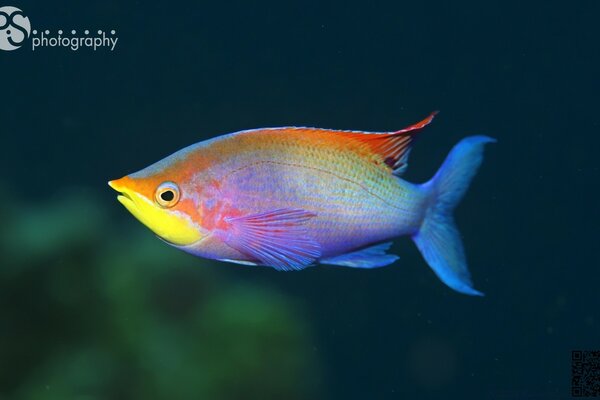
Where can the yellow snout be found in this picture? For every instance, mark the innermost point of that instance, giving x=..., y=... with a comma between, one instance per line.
x=171, y=225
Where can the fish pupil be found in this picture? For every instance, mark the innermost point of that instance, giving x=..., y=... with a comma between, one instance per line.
x=167, y=195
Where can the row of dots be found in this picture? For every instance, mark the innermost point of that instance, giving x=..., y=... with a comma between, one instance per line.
x=73, y=32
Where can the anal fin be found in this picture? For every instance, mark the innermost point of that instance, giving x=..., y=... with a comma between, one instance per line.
x=370, y=257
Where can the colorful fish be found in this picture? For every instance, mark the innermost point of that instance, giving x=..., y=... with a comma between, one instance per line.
x=293, y=197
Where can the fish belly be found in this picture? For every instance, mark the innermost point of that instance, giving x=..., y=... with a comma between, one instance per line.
x=355, y=205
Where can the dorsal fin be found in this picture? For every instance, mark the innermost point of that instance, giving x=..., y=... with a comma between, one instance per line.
x=393, y=147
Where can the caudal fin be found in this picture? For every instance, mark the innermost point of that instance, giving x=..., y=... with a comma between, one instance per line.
x=438, y=238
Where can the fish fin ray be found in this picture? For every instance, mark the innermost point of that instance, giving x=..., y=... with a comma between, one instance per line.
x=240, y=262
x=276, y=238
x=393, y=148
x=370, y=257
x=438, y=238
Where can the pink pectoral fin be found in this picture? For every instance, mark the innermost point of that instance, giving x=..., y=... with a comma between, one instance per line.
x=277, y=238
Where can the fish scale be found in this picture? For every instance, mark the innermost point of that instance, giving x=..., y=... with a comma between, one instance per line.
x=298, y=168
x=292, y=197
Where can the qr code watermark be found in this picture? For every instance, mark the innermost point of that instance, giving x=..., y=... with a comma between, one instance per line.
x=585, y=373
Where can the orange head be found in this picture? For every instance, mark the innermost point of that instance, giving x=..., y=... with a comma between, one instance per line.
x=161, y=198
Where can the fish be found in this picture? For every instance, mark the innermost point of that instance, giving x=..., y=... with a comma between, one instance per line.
x=295, y=197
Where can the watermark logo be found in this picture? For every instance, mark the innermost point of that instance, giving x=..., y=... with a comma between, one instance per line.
x=14, y=28
x=74, y=41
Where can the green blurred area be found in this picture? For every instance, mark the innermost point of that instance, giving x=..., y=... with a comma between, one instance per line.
x=92, y=311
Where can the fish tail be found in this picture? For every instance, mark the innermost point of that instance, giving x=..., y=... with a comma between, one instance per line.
x=438, y=238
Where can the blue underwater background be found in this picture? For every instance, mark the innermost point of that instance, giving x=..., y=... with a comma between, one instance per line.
x=93, y=306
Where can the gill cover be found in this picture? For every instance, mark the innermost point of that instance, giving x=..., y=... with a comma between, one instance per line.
x=171, y=225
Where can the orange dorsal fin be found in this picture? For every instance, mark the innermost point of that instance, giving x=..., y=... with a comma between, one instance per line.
x=393, y=147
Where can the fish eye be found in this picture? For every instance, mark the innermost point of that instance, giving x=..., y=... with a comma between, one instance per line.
x=167, y=194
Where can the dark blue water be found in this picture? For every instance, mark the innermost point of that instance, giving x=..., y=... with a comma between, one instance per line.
x=92, y=305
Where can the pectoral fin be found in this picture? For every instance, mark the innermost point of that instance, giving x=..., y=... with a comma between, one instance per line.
x=277, y=238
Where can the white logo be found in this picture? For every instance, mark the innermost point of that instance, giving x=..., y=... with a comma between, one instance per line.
x=14, y=28
x=74, y=42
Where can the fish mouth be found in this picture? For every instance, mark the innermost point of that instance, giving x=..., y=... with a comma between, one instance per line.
x=123, y=197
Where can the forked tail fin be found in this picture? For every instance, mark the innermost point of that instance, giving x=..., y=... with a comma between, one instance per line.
x=438, y=238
